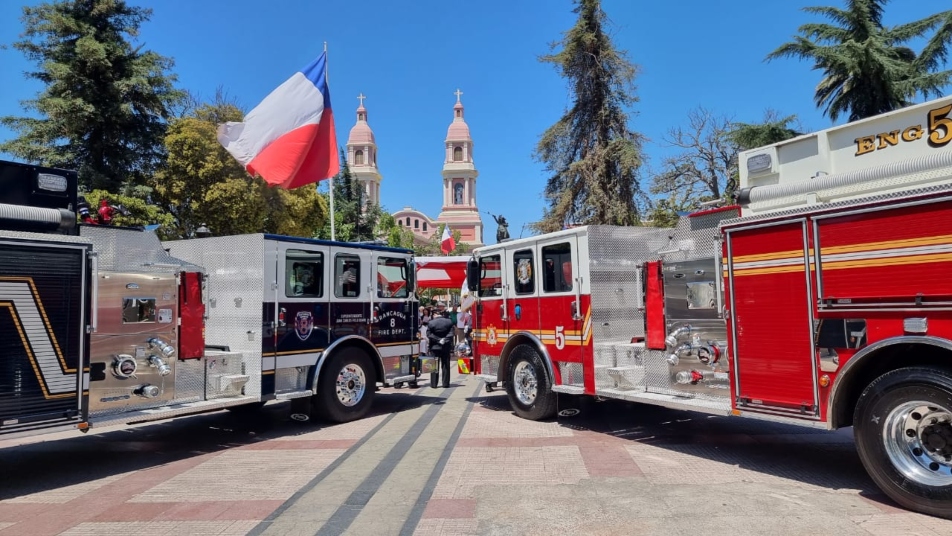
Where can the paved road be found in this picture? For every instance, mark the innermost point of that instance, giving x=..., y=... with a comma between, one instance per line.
x=454, y=462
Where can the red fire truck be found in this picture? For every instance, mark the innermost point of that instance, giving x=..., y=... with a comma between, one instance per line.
x=105, y=325
x=823, y=299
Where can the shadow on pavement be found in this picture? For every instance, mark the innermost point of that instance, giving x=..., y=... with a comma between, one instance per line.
x=811, y=456
x=47, y=464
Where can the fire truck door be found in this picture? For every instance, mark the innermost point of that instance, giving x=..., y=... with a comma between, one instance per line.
x=301, y=305
x=771, y=317
x=522, y=307
x=561, y=316
x=490, y=323
x=352, y=285
x=392, y=317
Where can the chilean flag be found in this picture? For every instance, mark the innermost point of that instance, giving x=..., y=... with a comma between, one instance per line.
x=288, y=139
x=447, y=244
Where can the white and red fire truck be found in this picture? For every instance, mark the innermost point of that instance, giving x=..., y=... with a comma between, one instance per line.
x=105, y=325
x=824, y=299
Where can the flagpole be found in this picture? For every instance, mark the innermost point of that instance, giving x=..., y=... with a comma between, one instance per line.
x=330, y=179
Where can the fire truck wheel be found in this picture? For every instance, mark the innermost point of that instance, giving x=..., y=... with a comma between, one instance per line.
x=346, y=387
x=903, y=431
x=528, y=387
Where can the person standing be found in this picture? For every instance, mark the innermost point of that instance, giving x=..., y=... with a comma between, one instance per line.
x=440, y=337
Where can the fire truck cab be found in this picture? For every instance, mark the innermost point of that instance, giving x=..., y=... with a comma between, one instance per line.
x=823, y=299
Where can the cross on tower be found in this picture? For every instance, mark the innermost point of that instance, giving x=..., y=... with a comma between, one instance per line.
x=458, y=93
x=361, y=98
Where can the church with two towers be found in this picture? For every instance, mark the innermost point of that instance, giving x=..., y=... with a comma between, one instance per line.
x=459, y=210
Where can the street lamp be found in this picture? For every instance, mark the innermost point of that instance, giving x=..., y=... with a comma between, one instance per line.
x=202, y=231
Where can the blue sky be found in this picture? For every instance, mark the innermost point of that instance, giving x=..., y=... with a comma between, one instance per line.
x=409, y=57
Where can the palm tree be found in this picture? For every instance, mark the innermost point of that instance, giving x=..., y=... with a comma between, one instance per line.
x=867, y=67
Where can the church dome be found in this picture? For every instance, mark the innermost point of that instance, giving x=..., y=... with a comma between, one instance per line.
x=361, y=133
x=459, y=130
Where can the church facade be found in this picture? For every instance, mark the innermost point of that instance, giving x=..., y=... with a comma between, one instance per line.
x=459, y=209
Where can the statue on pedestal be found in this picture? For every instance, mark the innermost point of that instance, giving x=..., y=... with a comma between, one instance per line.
x=502, y=229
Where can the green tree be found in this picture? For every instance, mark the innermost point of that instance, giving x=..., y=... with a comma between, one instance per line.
x=773, y=129
x=395, y=235
x=704, y=168
x=200, y=183
x=868, y=68
x=664, y=213
x=105, y=102
x=590, y=153
x=139, y=211
x=703, y=165
x=355, y=220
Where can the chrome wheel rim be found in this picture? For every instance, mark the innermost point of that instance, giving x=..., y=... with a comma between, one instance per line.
x=918, y=440
x=525, y=383
x=351, y=385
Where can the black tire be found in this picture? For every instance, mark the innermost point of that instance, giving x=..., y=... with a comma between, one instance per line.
x=414, y=385
x=911, y=405
x=328, y=404
x=489, y=387
x=398, y=385
x=539, y=400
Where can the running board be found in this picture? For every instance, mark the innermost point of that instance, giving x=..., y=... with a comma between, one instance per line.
x=569, y=389
x=167, y=412
x=294, y=394
x=714, y=407
x=401, y=379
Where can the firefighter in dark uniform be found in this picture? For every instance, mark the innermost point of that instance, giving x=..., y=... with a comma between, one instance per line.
x=439, y=333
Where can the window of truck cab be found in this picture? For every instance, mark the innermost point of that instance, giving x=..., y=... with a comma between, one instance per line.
x=490, y=276
x=393, y=277
x=346, y=276
x=303, y=274
x=557, y=268
x=523, y=271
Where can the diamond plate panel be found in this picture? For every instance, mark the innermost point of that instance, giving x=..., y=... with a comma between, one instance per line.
x=695, y=237
x=629, y=355
x=225, y=374
x=189, y=380
x=616, y=255
x=489, y=365
x=605, y=354
x=127, y=250
x=236, y=290
x=289, y=380
x=627, y=378
x=571, y=374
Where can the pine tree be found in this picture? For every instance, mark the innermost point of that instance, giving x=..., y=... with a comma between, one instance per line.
x=591, y=154
x=868, y=68
x=105, y=101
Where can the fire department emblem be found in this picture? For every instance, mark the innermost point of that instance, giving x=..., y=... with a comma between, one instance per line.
x=491, y=335
x=303, y=324
x=524, y=271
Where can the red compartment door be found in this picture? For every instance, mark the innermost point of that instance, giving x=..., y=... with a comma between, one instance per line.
x=771, y=317
x=192, y=316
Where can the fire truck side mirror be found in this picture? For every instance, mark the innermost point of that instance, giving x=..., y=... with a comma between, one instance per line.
x=472, y=275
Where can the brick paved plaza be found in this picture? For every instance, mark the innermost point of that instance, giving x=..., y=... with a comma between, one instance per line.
x=448, y=462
